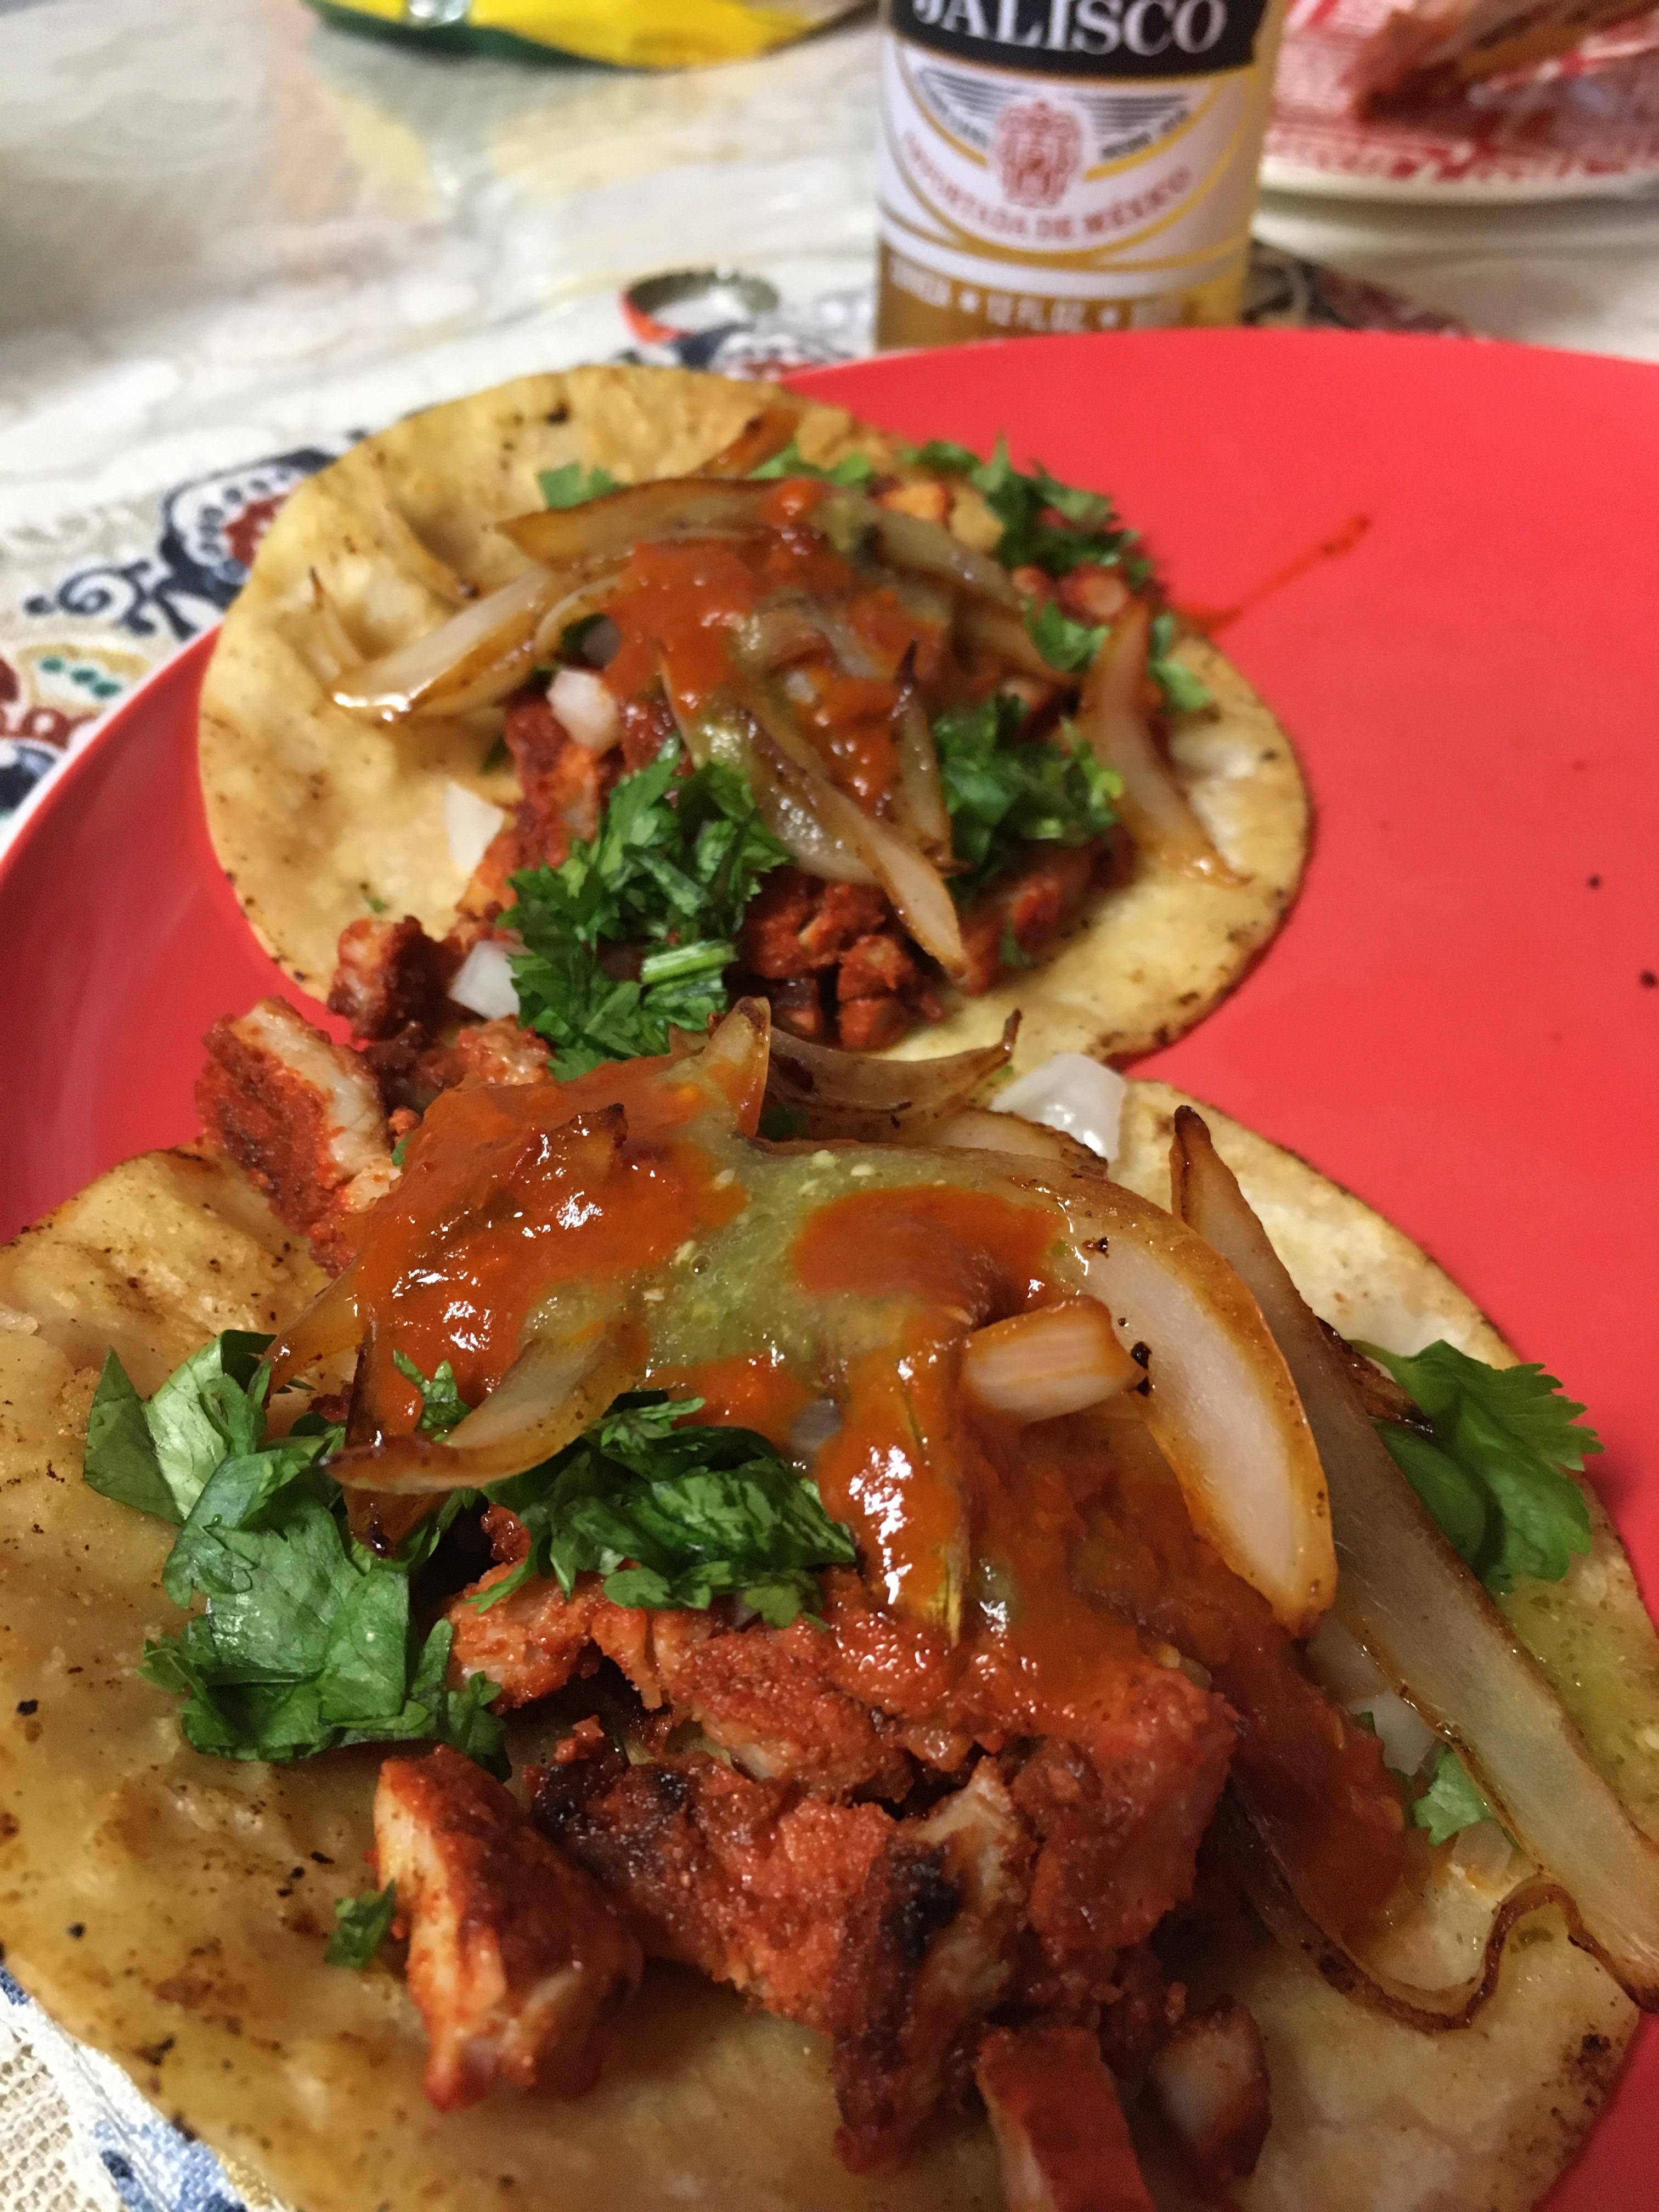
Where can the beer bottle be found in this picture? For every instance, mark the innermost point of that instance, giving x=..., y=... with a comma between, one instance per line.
x=1067, y=165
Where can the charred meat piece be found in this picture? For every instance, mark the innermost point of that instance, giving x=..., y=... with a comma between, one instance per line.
x=562, y=787
x=750, y=1882
x=1028, y=911
x=517, y=1959
x=302, y=1117
x=929, y=1952
x=391, y=975
x=1061, y=2138
x=796, y=925
x=1210, y=2081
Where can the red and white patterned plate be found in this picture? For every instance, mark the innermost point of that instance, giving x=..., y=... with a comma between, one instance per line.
x=1584, y=126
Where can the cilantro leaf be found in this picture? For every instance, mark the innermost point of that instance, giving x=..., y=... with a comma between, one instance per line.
x=361, y=1924
x=1496, y=1473
x=442, y=1407
x=855, y=471
x=1182, y=692
x=157, y=1454
x=1046, y=524
x=675, y=1516
x=1003, y=791
x=573, y=485
x=945, y=454
x=1063, y=643
x=673, y=868
x=1452, y=1801
x=304, y=1640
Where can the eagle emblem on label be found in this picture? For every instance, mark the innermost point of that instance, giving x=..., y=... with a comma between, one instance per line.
x=1037, y=147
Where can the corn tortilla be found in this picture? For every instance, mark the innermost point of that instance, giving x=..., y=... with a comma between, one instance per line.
x=319, y=818
x=205, y=1887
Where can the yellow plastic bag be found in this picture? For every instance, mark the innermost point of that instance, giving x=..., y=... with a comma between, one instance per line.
x=631, y=33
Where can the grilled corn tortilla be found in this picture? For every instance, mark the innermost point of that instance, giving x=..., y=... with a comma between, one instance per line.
x=319, y=818
x=205, y=1889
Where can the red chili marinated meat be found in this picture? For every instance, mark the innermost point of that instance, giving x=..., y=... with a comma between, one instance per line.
x=390, y=973
x=797, y=925
x=1035, y=905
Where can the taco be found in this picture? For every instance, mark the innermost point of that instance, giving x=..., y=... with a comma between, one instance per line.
x=603, y=697
x=906, y=1597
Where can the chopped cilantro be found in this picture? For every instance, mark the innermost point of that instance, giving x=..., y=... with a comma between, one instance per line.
x=497, y=757
x=1182, y=692
x=674, y=865
x=1045, y=524
x=400, y=1149
x=306, y=1640
x=1451, y=1802
x=855, y=471
x=1004, y=791
x=675, y=1516
x=1063, y=643
x=361, y=1924
x=944, y=453
x=1497, y=1471
x=573, y=485
x=442, y=1407
x=157, y=1453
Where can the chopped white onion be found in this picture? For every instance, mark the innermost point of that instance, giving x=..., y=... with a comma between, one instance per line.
x=470, y=823
x=1057, y=1359
x=1407, y=1744
x=1072, y=1093
x=484, y=983
x=588, y=706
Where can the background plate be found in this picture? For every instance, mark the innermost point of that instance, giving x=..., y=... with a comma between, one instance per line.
x=1583, y=125
x=1437, y=560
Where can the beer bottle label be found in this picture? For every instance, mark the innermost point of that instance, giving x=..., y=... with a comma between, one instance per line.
x=1056, y=164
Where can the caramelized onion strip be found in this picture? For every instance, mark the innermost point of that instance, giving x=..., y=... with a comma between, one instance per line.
x=1431, y=2011
x=786, y=798
x=927, y=549
x=909, y=879
x=849, y=1095
x=610, y=527
x=1220, y=1401
x=559, y=1381
x=1424, y=1618
x=919, y=790
x=1154, y=808
x=474, y=659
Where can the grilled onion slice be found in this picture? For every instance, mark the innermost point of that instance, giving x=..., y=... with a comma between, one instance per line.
x=1155, y=810
x=1220, y=1401
x=473, y=659
x=848, y=1094
x=609, y=528
x=564, y=1378
x=1426, y=1622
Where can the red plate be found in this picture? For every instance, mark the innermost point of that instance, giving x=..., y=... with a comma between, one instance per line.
x=1445, y=559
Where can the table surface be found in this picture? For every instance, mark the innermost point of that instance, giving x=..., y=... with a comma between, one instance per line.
x=225, y=226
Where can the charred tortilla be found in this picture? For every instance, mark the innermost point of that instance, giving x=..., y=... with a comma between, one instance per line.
x=319, y=818
x=205, y=1887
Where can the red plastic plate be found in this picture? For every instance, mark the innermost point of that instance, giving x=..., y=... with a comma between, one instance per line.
x=1445, y=561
